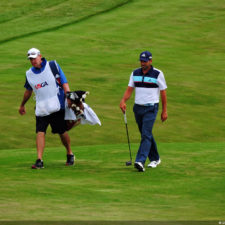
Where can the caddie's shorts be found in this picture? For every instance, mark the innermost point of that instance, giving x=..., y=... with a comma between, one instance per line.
x=56, y=121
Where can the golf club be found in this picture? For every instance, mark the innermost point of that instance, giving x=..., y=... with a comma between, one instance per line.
x=128, y=163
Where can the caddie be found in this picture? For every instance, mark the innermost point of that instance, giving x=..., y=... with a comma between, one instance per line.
x=50, y=103
x=149, y=83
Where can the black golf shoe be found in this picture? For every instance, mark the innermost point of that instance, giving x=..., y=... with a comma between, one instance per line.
x=70, y=160
x=139, y=166
x=38, y=164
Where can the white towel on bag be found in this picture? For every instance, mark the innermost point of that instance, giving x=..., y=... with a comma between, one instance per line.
x=89, y=117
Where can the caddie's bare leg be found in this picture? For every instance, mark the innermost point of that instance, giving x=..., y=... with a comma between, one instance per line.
x=65, y=138
x=40, y=143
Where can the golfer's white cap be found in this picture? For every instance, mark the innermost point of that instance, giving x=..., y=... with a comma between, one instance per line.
x=33, y=53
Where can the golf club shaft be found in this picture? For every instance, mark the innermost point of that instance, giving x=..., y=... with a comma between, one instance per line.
x=128, y=139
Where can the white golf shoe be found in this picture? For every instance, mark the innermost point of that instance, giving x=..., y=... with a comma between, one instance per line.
x=154, y=164
x=139, y=166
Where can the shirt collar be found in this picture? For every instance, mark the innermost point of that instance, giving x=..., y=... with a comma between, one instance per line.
x=149, y=72
x=37, y=70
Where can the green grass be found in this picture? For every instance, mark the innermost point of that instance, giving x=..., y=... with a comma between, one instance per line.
x=188, y=185
x=97, y=44
x=22, y=18
x=98, y=55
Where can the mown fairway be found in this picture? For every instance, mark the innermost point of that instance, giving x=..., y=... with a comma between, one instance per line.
x=189, y=185
x=97, y=44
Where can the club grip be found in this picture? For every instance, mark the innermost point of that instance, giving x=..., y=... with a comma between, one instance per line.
x=125, y=118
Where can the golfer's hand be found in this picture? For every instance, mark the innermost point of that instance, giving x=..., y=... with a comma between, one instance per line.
x=22, y=110
x=123, y=106
x=164, y=116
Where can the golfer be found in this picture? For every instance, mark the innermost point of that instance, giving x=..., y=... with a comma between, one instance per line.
x=50, y=103
x=149, y=83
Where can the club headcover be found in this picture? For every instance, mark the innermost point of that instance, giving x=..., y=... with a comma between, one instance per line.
x=77, y=98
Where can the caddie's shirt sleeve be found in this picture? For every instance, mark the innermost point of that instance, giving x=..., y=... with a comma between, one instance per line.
x=131, y=81
x=62, y=75
x=161, y=81
x=27, y=85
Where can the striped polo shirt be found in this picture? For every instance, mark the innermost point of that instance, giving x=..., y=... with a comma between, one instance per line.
x=147, y=86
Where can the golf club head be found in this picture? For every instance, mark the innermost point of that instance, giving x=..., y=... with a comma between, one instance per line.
x=129, y=163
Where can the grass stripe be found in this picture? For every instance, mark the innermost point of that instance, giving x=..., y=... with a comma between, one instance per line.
x=73, y=22
x=188, y=185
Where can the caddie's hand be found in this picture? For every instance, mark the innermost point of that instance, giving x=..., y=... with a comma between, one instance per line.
x=69, y=102
x=123, y=106
x=22, y=110
x=164, y=116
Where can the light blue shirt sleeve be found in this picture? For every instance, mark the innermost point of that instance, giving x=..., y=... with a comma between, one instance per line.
x=62, y=75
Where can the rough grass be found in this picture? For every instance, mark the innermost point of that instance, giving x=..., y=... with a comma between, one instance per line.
x=23, y=18
x=98, y=55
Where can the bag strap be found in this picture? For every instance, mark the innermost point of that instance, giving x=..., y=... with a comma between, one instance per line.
x=55, y=71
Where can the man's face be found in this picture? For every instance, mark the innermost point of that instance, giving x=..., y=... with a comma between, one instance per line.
x=146, y=65
x=36, y=62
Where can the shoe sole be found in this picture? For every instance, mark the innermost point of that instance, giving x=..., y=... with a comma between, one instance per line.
x=34, y=167
x=69, y=164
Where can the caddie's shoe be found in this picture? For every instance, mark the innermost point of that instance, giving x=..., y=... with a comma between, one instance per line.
x=38, y=164
x=70, y=160
x=139, y=166
x=154, y=164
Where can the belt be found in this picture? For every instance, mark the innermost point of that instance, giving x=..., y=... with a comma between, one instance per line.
x=148, y=104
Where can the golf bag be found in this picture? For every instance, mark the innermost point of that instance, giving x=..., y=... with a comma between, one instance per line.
x=79, y=112
x=77, y=98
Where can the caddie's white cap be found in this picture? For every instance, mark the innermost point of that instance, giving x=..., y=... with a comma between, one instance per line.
x=33, y=53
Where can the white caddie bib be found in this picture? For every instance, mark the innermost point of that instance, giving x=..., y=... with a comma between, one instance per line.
x=46, y=91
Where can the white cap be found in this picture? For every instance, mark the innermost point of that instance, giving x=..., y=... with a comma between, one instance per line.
x=33, y=53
